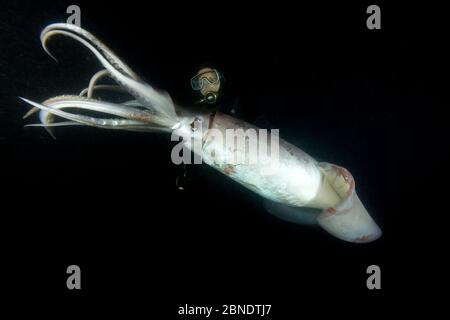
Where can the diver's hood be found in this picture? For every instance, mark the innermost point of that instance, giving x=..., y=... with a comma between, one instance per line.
x=347, y=220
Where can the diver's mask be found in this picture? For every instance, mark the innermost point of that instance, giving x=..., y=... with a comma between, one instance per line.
x=208, y=83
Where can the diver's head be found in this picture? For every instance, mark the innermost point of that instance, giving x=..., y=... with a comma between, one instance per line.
x=207, y=82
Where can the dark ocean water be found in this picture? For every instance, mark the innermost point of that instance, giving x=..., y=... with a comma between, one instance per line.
x=371, y=101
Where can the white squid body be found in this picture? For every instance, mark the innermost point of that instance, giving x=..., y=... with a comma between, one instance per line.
x=292, y=184
x=298, y=189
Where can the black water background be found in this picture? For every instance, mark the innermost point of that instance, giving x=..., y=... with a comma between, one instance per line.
x=371, y=101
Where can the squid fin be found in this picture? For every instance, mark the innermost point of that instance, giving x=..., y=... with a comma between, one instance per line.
x=299, y=215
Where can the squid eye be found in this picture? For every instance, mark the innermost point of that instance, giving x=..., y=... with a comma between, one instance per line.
x=195, y=124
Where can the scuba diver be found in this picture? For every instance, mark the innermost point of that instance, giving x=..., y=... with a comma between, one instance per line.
x=210, y=84
x=207, y=82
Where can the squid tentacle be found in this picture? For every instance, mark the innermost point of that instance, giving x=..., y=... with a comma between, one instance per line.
x=72, y=101
x=89, y=90
x=135, y=117
x=119, y=124
x=93, y=84
x=95, y=78
x=122, y=124
x=144, y=93
x=109, y=87
x=47, y=117
x=108, y=53
x=55, y=124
